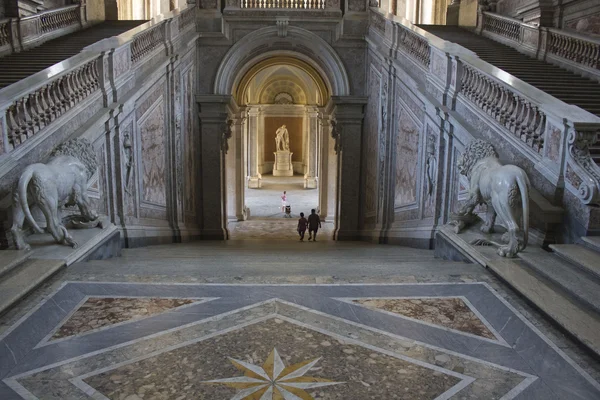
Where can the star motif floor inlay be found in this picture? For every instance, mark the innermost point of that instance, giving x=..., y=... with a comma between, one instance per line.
x=283, y=342
x=274, y=381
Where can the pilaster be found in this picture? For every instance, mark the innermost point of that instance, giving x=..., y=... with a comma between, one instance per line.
x=310, y=177
x=254, y=177
x=348, y=114
x=213, y=114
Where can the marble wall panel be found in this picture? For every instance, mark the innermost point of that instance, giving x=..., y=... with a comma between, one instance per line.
x=553, y=135
x=407, y=159
x=152, y=135
x=586, y=25
x=190, y=144
x=371, y=136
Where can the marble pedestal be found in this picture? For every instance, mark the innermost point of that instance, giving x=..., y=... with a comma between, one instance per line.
x=283, y=164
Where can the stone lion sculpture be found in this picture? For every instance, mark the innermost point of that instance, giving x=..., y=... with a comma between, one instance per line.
x=503, y=188
x=61, y=181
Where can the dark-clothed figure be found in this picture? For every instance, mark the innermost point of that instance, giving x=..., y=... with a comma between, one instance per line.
x=302, y=224
x=314, y=223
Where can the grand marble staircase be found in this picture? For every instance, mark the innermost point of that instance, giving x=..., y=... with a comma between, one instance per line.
x=17, y=66
x=556, y=81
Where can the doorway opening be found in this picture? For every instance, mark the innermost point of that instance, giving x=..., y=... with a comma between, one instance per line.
x=284, y=129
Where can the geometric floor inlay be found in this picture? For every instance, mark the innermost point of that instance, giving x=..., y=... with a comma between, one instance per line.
x=265, y=342
x=99, y=312
x=451, y=313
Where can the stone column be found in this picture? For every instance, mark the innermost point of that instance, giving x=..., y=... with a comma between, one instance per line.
x=310, y=177
x=348, y=113
x=234, y=170
x=327, y=153
x=254, y=177
x=213, y=114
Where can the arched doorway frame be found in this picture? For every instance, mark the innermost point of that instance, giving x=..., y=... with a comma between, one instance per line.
x=222, y=122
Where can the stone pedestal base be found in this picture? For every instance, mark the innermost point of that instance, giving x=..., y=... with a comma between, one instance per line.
x=283, y=164
x=310, y=182
x=254, y=182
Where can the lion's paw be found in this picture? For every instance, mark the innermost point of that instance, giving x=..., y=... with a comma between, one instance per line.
x=506, y=251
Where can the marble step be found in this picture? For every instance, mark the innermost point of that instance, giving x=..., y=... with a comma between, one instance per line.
x=22, y=280
x=9, y=259
x=568, y=277
x=553, y=300
x=587, y=260
x=592, y=242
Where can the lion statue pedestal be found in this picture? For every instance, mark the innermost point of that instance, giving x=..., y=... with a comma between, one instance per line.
x=62, y=181
x=504, y=189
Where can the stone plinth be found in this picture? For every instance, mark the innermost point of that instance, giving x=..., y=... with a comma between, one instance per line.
x=283, y=164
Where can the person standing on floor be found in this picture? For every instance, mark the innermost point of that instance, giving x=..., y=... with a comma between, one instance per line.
x=283, y=201
x=302, y=224
x=314, y=223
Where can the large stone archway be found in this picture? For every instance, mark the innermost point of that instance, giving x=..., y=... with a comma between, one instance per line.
x=225, y=120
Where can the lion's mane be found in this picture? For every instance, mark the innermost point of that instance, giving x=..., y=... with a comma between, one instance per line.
x=475, y=151
x=81, y=149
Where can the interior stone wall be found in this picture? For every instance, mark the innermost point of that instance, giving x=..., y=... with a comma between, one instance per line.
x=407, y=158
x=370, y=141
x=467, y=14
x=581, y=16
x=95, y=10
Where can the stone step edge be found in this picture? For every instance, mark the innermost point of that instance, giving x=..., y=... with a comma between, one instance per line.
x=20, y=256
x=533, y=261
x=6, y=304
x=589, y=243
x=594, y=274
x=582, y=324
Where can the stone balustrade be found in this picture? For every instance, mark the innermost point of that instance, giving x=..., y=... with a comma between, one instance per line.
x=18, y=34
x=293, y=4
x=29, y=107
x=578, y=53
x=146, y=42
x=532, y=120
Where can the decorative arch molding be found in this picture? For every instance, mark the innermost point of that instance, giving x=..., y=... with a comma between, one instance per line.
x=310, y=51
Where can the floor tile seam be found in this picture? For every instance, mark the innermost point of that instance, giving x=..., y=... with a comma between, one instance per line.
x=465, y=380
x=399, y=337
x=233, y=285
x=130, y=342
x=33, y=310
x=46, y=341
x=499, y=340
x=548, y=342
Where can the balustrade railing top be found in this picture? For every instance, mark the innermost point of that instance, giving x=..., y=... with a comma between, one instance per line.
x=287, y=4
x=528, y=114
x=576, y=52
x=31, y=104
x=31, y=31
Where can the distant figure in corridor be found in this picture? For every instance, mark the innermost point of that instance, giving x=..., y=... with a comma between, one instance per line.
x=302, y=224
x=283, y=201
x=314, y=223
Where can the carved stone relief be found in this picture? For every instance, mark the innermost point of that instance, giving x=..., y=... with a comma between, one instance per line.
x=431, y=172
x=372, y=132
x=382, y=134
x=553, y=135
x=152, y=134
x=407, y=159
x=588, y=25
x=190, y=146
x=128, y=149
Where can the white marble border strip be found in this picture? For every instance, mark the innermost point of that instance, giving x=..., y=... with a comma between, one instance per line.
x=398, y=337
x=544, y=338
x=499, y=340
x=464, y=379
x=282, y=284
x=134, y=341
x=46, y=340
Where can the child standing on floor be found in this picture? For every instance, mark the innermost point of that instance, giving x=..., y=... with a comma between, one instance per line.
x=302, y=224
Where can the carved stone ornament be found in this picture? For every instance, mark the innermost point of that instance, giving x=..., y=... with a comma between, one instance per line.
x=588, y=172
x=61, y=181
x=504, y=189
x=431, y=166
x=226, y=135
x=335, y=134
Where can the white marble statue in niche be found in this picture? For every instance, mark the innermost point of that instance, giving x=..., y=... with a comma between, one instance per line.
x=504, y=189
x=282, y=139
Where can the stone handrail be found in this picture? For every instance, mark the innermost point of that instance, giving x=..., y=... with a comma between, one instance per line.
x=289, y=4
x=29, y=107
x=534, y=120
x=146, y=42
x=18, y=34
x=575, y=48
x=578, y=53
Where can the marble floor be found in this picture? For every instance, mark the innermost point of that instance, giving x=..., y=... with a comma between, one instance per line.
x=266, y=201
x=234, y=321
